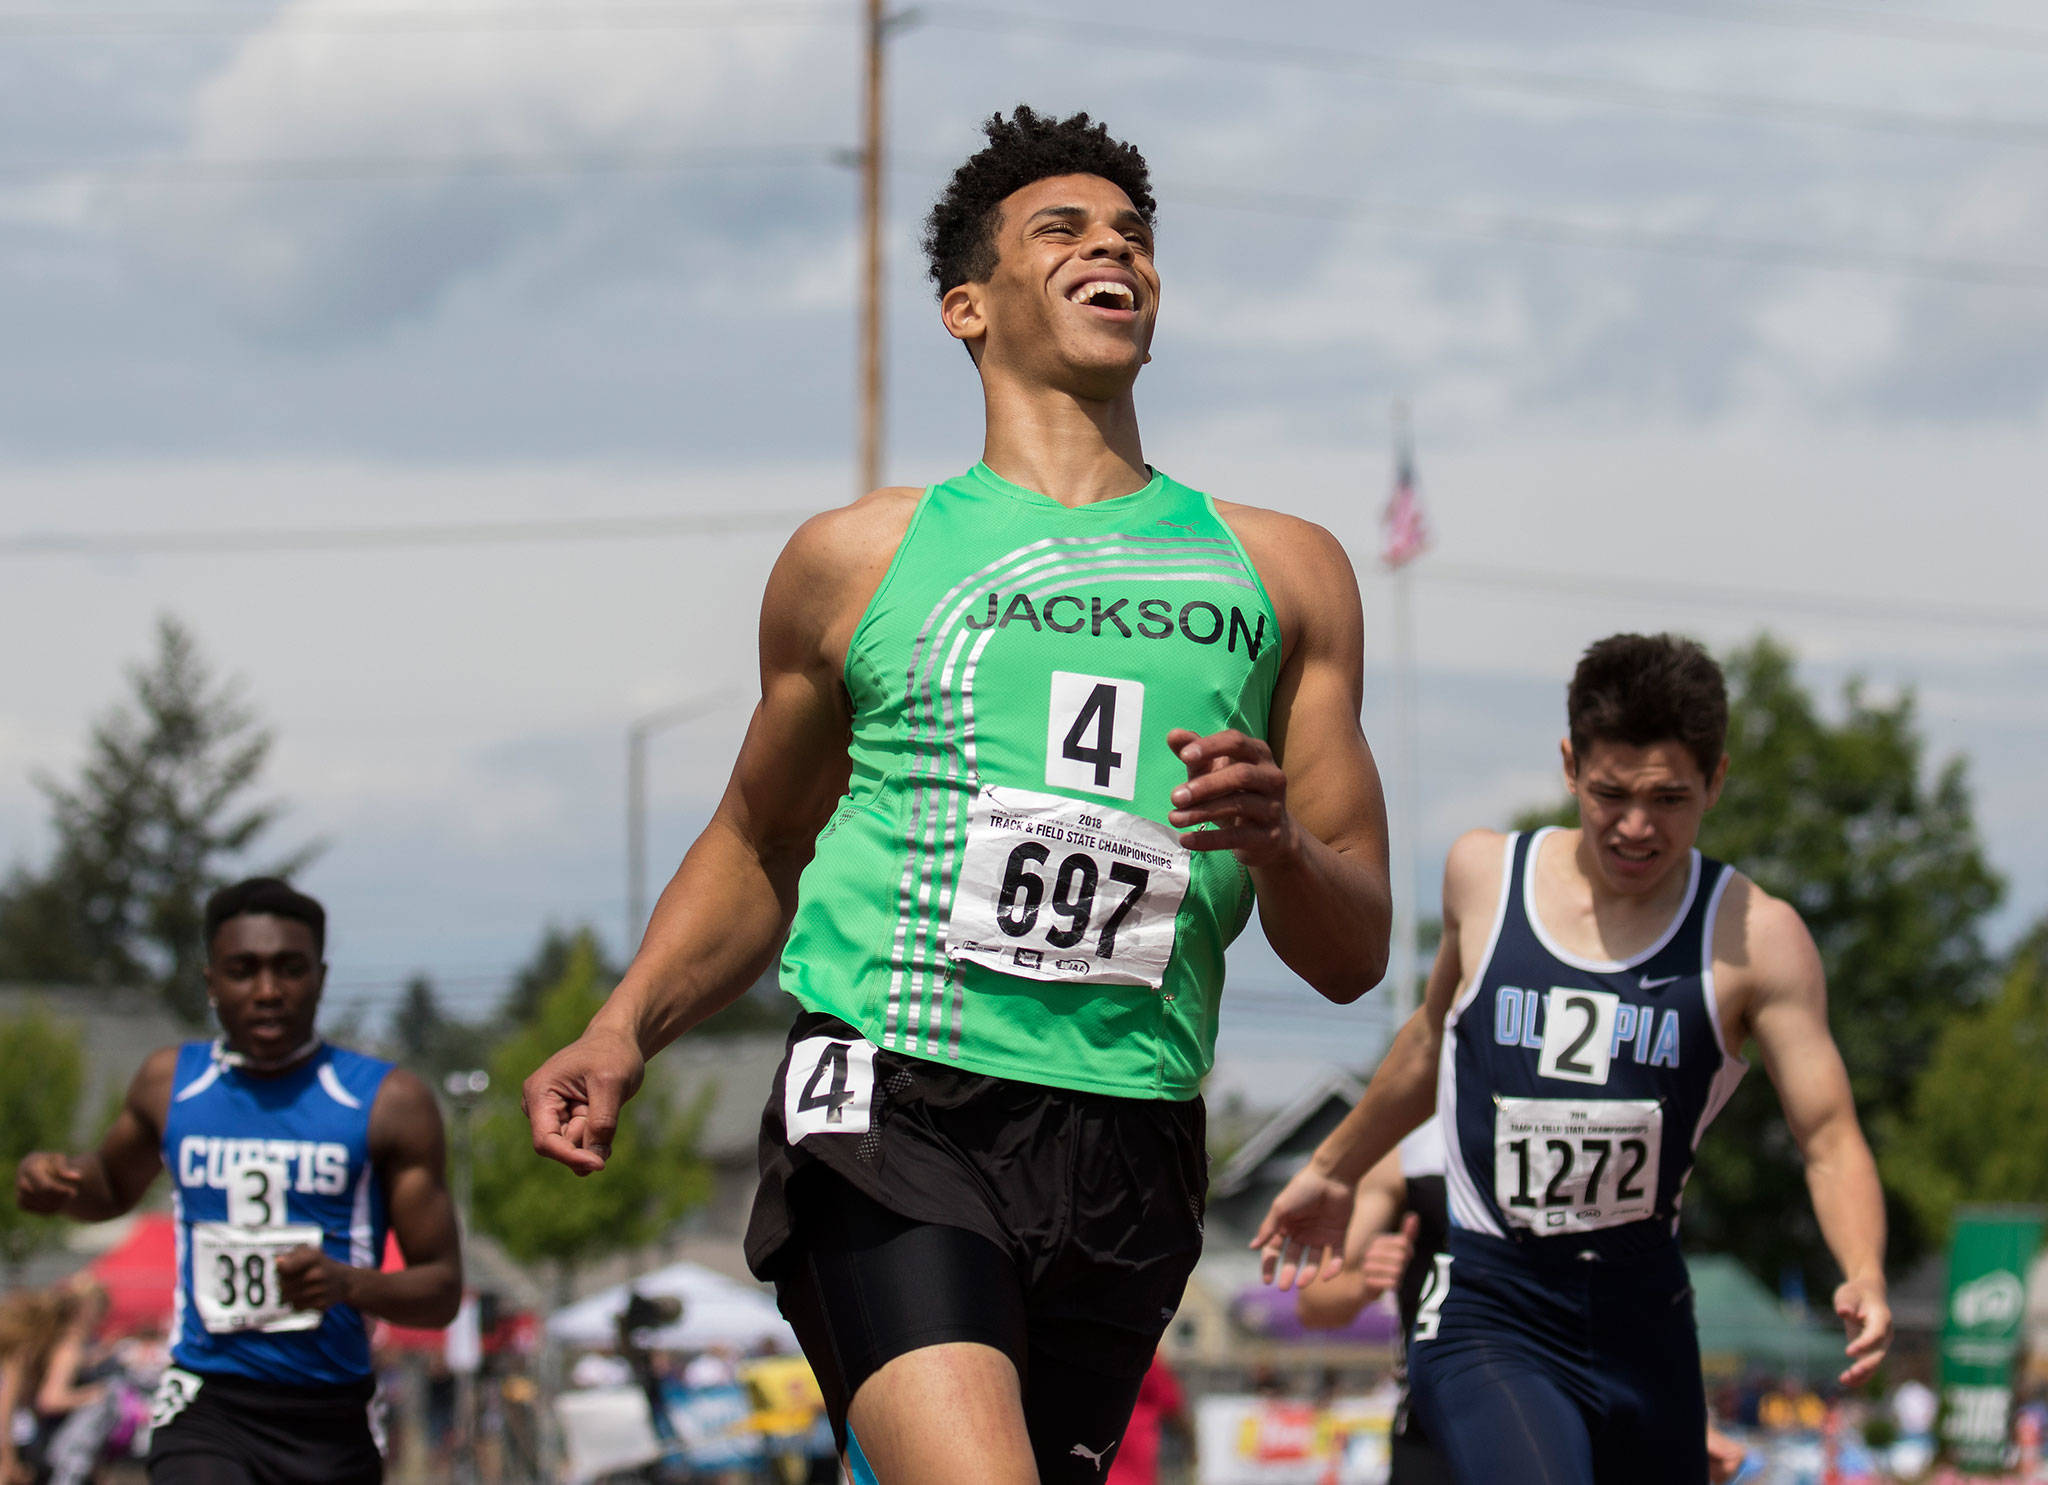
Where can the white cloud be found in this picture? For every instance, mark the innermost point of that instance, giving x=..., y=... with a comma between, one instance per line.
x=325, y=256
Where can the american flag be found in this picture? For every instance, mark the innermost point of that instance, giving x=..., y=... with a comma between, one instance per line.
x=1404, y=535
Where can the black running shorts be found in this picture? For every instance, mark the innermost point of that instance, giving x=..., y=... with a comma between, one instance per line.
x=919, y=1204
x=214, y=1429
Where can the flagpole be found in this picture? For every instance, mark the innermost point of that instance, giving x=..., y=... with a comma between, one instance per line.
x=1403, y=817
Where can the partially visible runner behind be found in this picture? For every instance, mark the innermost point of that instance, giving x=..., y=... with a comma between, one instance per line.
x=289, y=1158
x=1398, y=1227
x=1400, y=1223
x=1030, y=742
x=1582, y=1027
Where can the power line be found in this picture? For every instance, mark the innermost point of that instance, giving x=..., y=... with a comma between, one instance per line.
x=1236, y=50
x=412, y=21
x=251, y=540
x=1467, y=222
x=1517, y=80
x=197, y=543
x=427, y=167
x=1807, y=15
x=1527, y=227
x=1733, y=596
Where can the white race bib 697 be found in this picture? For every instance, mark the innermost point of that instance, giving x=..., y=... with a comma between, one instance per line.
x=234, y=1276
x=1053, y=888
x=1574, y=1165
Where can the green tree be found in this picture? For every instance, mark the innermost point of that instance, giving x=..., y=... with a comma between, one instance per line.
x=158, y=818
x=42, y=1074
x=1844, y=820
x=431, y=1042
x=762, y=1008
x=1978, y=1125
x=537, y=1208
x=552, y=956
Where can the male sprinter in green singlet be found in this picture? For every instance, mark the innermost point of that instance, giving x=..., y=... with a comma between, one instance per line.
x=1029, y=743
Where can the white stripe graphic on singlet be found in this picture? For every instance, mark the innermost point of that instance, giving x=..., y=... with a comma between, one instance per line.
x=362, y=1252
x=949, y=612
x=1732, y=1067
x=924, y=952
x=331, y=1081
x=179, y=1258
x=1468, y=1208
x=199, y=1084
x=940, y=762
x=1045, y=585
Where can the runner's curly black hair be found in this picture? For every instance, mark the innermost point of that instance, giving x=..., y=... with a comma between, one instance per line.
x=960, y=233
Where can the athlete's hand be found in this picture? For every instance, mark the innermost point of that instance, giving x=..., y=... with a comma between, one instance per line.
x=1724, y=1456
x=1867, y=1317
x=44, y=1182
x=573, y=1099
x=1302, y=1238
x=307, y=1279
x=1387, y=1255
x=1235, y=786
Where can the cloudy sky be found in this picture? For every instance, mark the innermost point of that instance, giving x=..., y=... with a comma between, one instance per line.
x=1725, y=317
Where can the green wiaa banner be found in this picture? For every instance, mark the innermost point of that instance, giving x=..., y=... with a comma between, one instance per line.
x=1980, y=1330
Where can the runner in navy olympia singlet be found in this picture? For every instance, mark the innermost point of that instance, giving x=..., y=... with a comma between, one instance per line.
x=288, y=1159
x=1579, y=1033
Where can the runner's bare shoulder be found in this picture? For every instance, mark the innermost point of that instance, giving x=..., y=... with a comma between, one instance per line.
x=1472, y=875
x=831, y=566
x=1303, y=566
x=149, y=1094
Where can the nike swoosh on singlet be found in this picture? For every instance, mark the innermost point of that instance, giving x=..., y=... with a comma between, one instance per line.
x=1649, y=984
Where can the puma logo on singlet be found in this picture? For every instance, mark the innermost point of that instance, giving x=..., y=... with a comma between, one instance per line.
x=1093, y=1456
x=1175, y=525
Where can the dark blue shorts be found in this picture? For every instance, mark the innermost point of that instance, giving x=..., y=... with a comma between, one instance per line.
x=1560, y=1371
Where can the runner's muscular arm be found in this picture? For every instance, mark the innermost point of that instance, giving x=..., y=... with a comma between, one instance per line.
x=1788, y=1016
x=1313, y=1210
x=718, y=921
x=109, y=1181
x=409, y=1151
x=1304, y=811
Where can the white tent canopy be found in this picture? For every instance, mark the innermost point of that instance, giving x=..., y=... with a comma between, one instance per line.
x=717, y=1311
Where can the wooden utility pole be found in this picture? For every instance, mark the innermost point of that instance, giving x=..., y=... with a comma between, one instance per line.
x=871, y=260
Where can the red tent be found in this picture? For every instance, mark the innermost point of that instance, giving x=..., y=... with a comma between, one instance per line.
x=139, y=1273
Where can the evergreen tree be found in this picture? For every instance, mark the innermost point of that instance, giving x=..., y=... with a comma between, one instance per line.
x=157, y=819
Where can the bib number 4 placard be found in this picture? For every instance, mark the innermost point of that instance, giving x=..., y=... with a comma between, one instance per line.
x=1053, y=888
x=1092, y=734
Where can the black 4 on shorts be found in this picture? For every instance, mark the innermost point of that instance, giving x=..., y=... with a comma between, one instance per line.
x=211, y=1429
x=907, y=1203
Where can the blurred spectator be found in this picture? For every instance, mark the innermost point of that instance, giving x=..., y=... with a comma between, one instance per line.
x=1160, y=1406
x=1913, y=1408
x=44, y=1335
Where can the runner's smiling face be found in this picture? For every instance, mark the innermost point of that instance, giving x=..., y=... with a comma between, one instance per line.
x=1639, y=810
x=264, y=974
x=1074, y=294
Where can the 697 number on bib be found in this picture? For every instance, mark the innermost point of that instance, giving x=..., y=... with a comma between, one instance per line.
x=1053, y=888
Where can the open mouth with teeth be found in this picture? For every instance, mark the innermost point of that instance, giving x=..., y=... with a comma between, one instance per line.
x=1104, y=293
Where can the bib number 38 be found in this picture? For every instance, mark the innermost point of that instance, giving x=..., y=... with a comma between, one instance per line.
x=1053, y=888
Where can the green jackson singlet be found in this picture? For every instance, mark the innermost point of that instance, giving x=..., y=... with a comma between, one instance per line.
x=999, y=888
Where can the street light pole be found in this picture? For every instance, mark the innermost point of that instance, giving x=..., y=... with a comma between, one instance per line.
x=637, y=733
